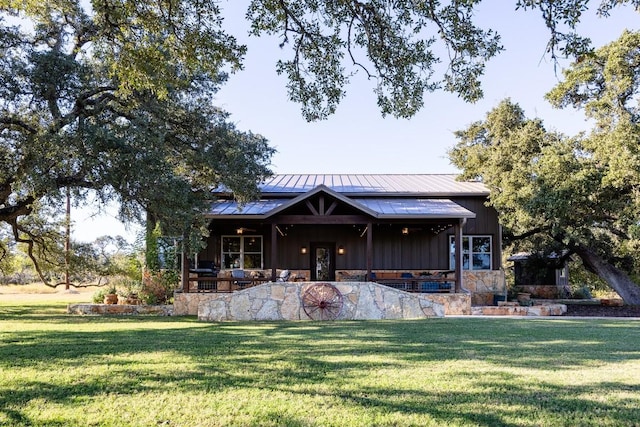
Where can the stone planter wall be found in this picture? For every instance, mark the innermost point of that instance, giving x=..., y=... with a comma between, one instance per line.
x=282, y=301
x=515, y=310
x=122, y=309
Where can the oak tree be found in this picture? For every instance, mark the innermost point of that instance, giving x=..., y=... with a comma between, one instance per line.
x=117, y=96
x=576, y=194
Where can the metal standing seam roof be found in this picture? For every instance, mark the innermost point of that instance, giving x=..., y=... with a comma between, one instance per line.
x=254, y=208
x=406, y=196
x=416, y=208
x=380, y=208
x=375, y=184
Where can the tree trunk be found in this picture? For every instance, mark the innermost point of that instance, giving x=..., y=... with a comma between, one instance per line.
x=616, y=278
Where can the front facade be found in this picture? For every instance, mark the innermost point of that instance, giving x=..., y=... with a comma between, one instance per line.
x=419, y=233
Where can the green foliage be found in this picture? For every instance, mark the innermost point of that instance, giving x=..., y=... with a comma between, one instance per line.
x=116, y=97
x=98, y=296
x=395, y=44
x=152, y=252
x=557, y=192
x=116, y=101
x=582, y=292
x=158, y=287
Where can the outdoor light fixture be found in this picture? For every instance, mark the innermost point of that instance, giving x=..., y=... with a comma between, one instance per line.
x=241, y=230
x=405, y=230
x=340, y=250
x=303, y=250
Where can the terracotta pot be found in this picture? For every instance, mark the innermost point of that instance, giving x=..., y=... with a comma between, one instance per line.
x=111, y=299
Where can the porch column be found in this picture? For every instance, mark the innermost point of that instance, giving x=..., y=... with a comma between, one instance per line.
x=184, y=276
x=458, y=254
x=274, y=251
x=369, y=249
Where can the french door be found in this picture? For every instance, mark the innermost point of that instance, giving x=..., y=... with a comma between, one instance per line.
x=323, y=261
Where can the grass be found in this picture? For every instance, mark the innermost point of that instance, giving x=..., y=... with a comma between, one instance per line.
x=62, y=370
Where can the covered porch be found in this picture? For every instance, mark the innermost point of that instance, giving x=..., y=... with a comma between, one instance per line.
x=411, y=244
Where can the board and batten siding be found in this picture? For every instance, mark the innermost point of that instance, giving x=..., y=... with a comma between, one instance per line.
x=422, y=248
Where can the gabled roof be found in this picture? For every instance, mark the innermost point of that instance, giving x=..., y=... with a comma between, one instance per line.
x=364, y=185
x=322, y=189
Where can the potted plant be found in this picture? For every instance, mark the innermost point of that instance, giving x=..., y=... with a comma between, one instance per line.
x=111, y=295
x=128, y=290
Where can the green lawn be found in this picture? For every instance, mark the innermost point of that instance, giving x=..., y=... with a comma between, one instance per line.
x=61, y=370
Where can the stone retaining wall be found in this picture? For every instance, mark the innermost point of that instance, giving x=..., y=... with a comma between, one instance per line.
x=514, y=310
x=157, y=310
x=282, y=301
x=483, y=285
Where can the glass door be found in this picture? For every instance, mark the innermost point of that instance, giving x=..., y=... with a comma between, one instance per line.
x=323, y=267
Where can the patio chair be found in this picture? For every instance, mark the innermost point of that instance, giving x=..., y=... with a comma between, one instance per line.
x=284, y=276
x=239, y=274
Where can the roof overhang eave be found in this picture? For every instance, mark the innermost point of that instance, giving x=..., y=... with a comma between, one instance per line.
x=235, y=216
x=430, y=217
x=428, y=195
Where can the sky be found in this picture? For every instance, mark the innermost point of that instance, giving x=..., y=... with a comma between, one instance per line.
x=357, y=139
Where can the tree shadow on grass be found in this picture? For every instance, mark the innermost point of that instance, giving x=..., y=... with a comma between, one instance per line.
x=325, y=359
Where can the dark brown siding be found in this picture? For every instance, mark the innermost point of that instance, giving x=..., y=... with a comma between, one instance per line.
x=425, y=247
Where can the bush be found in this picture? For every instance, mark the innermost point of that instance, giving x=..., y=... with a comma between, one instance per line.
x=582, y=292
x=127, y=287
x=158, y=287
x=98, y=296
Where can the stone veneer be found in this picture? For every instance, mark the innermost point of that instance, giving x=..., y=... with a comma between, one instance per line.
x=282, y=301
x=515, y=310
x=121, y=309
x=483, y=285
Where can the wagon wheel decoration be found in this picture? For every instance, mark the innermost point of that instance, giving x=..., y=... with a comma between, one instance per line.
x=322, y=301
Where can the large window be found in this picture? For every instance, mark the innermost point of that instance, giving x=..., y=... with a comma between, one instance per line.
x=476, y=252
x=242, y=252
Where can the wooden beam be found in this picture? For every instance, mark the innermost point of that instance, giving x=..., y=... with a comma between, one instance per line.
x=458, y=255
x=322, y=219
x=369, y=249
x=311, y=208
x=331, y=208
x=274, y=251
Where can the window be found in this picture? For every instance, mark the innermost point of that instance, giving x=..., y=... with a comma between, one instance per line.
x=476, y=249
x=243, y=252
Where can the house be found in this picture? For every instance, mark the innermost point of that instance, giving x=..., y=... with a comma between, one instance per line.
x=420, y=233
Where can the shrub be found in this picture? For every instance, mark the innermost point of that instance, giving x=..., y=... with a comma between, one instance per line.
x=127, y=287
x=582, y=292
x=98, y=296
x=158, y=287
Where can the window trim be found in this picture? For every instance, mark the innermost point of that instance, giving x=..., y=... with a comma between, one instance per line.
x=242, y=252
x=470, y=252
